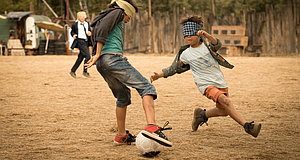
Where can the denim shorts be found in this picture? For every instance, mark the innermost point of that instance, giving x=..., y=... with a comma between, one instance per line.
x=119, y=75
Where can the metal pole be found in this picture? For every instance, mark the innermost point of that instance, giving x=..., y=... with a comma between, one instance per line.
x=50, y=8
x=47, y=42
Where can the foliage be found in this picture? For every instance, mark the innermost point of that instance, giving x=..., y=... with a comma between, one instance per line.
x=15, y=5
x=223, y=7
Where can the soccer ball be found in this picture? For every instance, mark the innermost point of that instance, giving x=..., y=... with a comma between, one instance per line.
x=146, y=146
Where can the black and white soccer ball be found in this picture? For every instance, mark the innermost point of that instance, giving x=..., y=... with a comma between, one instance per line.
x=146, y=146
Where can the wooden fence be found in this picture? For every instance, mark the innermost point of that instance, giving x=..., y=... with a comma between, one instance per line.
x=277, y=31
x=162, y=36
x=273, y=31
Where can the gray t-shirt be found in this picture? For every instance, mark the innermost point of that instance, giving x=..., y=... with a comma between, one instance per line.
x=204, y=67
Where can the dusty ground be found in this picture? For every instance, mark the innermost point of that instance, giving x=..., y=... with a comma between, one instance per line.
x=46, y=114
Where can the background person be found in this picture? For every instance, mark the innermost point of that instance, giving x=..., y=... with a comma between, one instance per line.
x=81, y=32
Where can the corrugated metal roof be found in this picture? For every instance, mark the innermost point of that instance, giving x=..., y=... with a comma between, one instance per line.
x=17, y=15
x=2, y=17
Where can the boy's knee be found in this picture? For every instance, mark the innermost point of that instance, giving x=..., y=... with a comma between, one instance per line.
x=227, y=102
x=224, y=100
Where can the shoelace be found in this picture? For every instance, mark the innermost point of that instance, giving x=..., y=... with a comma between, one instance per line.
x=131, y=138
x=204, y=121
x=164, y=127
x=251, y=125
x=201, y=123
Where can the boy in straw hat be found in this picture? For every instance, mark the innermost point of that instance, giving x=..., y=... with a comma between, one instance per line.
x=207, y=75
x=81, y=32
x=119, y=73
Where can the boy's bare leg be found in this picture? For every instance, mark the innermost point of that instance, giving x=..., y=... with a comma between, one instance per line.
x=148, y=104
x=153, y=131
x=230, y=110
x=216, y=112
x=121, y=117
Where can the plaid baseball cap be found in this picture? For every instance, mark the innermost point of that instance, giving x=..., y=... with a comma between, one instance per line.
x=190, y=28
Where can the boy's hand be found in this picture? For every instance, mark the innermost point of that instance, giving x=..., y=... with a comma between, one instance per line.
x=91, y=62
x=89, y=33
x=155, y=76
x=202, y=33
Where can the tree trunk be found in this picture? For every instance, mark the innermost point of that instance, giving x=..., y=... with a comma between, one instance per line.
x=213, y=12
x=84, y=7
x=150, y=19
x=291, y=19
x=67, y=12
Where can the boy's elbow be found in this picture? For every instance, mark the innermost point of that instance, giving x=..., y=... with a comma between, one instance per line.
x=219, y=43
x=216, y=46
x=100, y=40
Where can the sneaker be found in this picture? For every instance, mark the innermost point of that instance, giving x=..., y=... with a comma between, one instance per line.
x=86, y=74
x=155, y=133
x=252, y=129
x=199, y=118
x=127, y=139
x=73, y=74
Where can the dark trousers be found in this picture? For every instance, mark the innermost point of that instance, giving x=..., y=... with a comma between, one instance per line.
x=83, y=54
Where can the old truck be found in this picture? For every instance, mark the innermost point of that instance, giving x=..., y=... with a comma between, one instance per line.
x=37, y=34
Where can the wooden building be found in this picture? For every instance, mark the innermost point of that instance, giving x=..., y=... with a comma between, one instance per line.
x=233, y=39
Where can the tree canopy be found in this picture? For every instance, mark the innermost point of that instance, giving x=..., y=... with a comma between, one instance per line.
x=223, y=7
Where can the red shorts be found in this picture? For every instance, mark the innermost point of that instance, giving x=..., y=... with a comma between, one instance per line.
x=212, y=92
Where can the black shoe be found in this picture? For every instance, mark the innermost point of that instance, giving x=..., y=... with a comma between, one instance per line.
x=252, y=129
x=155, y=133
x=86, y=74
x=73, y=74
x=199, y=118
x=127, y=139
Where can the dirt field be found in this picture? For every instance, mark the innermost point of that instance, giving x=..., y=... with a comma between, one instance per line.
x=46, y=114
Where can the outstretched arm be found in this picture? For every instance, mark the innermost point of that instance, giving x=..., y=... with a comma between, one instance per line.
x=176, y=67
x=161, y=74
x=156, y=76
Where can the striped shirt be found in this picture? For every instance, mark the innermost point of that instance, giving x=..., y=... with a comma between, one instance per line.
x=204, y=67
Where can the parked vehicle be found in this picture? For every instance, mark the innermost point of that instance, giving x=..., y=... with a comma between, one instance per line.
x=37, y=33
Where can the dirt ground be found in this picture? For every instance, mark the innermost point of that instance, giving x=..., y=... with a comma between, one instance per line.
x=46, y=114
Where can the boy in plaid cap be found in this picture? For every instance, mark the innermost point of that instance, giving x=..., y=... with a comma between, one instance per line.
x=207, y=75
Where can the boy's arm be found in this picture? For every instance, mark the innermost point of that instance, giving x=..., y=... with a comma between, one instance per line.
x=107, y=24
x=103, y=26
x=94, y=59
x=176, y=67
x=170, y=71
x=215, y=44
x=216, y=47
x=73, y=34
x=156, y=76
